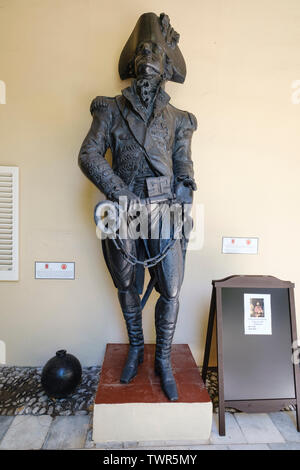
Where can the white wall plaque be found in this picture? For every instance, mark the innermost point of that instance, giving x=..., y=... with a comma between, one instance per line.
x=50, y=270
x=240, y=245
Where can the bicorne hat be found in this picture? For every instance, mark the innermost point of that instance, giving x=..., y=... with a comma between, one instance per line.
x=150, y=27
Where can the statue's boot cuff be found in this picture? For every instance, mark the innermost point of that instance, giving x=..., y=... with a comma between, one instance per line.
x=134, y=358
x=164, y=370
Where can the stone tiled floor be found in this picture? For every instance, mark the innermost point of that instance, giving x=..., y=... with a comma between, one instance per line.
x=243, y=431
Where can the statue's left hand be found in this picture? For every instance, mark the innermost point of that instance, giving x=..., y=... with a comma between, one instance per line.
x=184, y=191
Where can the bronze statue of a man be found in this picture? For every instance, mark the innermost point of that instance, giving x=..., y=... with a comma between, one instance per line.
x=150, y=142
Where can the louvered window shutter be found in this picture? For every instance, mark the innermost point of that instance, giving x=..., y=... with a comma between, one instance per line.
x=9, y=232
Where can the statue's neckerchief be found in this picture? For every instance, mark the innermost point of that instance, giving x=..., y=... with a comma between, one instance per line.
x=147, y=90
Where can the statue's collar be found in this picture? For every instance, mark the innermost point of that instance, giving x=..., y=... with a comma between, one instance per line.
x=161, y=101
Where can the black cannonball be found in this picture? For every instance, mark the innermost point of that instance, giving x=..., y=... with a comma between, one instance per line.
x=61, y=374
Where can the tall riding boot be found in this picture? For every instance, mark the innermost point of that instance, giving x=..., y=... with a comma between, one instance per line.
x=133, y=318
x=166, y=312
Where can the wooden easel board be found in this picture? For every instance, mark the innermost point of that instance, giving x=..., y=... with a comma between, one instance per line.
x=256, y=326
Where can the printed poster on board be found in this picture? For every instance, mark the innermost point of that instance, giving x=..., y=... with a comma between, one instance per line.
x=257, y=314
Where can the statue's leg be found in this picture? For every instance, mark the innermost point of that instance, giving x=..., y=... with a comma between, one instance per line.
x=169, y=275
x=123, y=274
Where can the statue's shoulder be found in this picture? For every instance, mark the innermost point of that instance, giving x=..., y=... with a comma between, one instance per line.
x=184, y=118
x=102, y=103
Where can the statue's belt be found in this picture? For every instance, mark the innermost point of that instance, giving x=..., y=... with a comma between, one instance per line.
x=158, y=187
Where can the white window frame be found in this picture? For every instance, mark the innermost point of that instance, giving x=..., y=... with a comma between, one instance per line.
x=13, y=275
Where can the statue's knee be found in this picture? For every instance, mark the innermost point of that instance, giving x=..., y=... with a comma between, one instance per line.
x=129, y=299
x=171, y=295
x=125, y=284
x=169, y=285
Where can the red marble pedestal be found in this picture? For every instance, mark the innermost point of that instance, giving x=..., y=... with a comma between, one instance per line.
x=139, y=411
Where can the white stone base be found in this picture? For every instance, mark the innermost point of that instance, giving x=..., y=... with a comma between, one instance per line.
x=152, y=422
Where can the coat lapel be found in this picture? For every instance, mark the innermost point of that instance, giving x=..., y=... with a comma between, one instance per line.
x=161, y=102
x=134, y=114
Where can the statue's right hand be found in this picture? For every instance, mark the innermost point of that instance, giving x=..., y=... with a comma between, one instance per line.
x=131, y=197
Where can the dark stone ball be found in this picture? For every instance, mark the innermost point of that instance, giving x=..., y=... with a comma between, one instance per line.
x=61, y=375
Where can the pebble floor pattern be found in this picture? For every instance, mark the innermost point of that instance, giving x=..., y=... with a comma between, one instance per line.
x=21, y=393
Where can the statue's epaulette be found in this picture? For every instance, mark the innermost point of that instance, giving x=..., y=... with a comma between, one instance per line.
x=186, y=119
x=193, y=121
x=98, y=103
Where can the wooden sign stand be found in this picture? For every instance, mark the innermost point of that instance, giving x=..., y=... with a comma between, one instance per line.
x=215, y=314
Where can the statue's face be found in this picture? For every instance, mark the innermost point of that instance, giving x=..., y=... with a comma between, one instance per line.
x=150, y=60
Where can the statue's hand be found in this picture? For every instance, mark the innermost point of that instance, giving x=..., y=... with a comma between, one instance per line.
x=184, y=190
x=131, y=197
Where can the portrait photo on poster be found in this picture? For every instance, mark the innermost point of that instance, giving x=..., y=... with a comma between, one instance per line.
x=257, y=314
